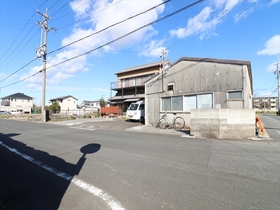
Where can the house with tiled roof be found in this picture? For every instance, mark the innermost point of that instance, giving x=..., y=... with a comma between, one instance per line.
x=66, y=103
x=18, y=101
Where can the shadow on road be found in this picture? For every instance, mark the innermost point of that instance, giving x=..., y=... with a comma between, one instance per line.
x=29, y=178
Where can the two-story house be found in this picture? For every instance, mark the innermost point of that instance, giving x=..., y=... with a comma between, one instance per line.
x=130, y=84
x=17, y=102
x=67, y=104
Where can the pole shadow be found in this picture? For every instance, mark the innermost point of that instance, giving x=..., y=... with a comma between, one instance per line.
x=25, y=185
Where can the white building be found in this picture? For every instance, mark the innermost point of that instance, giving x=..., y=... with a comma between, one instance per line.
x=67, y=104
x=17, y=102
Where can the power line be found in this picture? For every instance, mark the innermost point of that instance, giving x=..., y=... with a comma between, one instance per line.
x=18, y=70
x=121, y=37
x=22, y=80
x=18, y=50
x=104, y=29
x=125, y=35
x=18, y=37
x=100, y=31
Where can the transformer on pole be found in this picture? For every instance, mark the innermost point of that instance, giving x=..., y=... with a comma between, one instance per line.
x=42, y=52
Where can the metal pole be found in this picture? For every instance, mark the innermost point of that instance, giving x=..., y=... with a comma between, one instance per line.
x=278, y=77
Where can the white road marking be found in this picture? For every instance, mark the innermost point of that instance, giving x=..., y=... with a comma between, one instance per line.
x=109, y=200
x=77, y=123
x=83, y=128
x=278, y=132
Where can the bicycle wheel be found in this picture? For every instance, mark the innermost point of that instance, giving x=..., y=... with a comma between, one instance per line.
x=179, y=123
x=162, y=123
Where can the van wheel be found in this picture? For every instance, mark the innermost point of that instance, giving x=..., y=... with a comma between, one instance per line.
x=142, y=120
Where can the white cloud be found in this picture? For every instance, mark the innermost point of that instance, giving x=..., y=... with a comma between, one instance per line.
x=207, y=19
x=273, y=2
x=96, y=16
x=154, y=48
x=271, y=47
x=226, y=4
x=198, y=24
x=271, y=68
x=243, y=14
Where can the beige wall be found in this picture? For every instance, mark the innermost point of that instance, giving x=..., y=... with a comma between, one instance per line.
x=21, y=103
x=223, y=123
x=68, y=104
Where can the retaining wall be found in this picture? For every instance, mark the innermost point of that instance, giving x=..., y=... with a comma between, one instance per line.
x=223, y=123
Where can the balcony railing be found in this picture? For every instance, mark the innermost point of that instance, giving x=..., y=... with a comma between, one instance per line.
x=5, y=103
x=131, y=82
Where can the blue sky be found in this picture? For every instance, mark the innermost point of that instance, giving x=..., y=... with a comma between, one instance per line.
x=222, y=29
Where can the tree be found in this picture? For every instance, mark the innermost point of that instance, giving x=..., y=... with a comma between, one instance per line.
x=102, y=102
x=54, y=107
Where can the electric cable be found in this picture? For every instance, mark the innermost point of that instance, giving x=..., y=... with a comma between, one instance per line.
x=98, y=32
x=114, y=40
x=18, y=70
x=110, y=27
x=21, y=80
x=21, y=32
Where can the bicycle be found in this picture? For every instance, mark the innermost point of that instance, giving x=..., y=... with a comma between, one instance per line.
x=177, y=122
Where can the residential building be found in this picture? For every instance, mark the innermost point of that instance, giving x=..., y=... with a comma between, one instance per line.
x=130, y=84
x=87, y=103
x=265, y=103
x=17, y=102
x=214, y=96
x=67, y=104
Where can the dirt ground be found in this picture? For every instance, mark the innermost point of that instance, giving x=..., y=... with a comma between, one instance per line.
x=116, y=124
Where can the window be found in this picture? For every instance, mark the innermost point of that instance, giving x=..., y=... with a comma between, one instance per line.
x=142, y=107
x=186, y=103
x=235, y=95
x=166, y=104
x=170, y=87
x=177, y=103
x=204, y=101
x=189, y=103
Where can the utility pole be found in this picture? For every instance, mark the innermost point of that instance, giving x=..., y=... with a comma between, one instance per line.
x=162, y=67
x=42, y=52
x=277, y=72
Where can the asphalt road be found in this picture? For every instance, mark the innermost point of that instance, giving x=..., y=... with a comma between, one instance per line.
x=51, y=166
x=271, y=125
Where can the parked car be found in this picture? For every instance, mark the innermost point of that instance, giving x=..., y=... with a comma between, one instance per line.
x=4, y=112
x=15, y=112
x=136, y=111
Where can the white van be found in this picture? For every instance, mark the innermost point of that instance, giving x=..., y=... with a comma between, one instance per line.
x=136, y=111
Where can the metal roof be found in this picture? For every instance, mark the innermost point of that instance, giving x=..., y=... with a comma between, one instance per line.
x=158, y=63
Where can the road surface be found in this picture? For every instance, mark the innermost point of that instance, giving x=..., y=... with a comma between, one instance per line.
x=50, y=166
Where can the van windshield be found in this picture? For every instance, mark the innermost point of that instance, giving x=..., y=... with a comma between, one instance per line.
x=133, y=107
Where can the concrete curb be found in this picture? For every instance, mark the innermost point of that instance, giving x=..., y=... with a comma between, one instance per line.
x=264, y=137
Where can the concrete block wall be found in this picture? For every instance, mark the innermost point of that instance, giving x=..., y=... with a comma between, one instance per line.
x=223, y=123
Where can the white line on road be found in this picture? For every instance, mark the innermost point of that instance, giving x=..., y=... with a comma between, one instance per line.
x=109, y=200
x=77, y=123
x=90, y=129
x=278, y=132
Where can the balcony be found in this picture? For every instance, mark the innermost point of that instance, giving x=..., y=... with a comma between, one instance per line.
x=130, y=83
x=5, y=103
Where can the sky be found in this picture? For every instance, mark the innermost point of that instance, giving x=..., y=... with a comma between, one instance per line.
x=88, y=41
